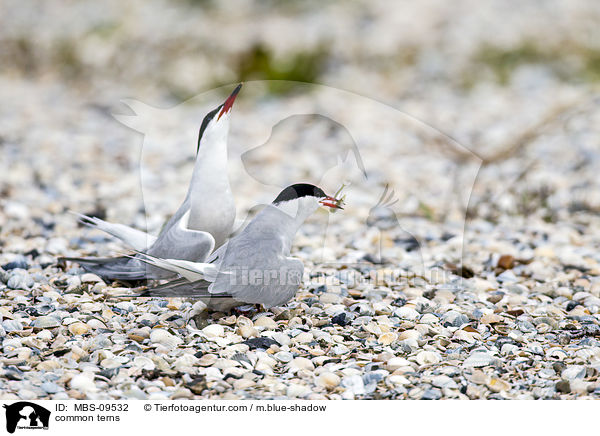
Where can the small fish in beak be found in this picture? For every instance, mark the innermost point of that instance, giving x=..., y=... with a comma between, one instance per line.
x=332, y=202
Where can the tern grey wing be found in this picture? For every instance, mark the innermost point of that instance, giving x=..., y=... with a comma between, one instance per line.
x=180, y=242
x=176, y=217
x=197, y=290
x=113, y=268
x=178, y=288
x=253, y=270
x=278, y=285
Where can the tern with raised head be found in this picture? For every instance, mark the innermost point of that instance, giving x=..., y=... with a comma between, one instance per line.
x=202, y=223
x=253, y=267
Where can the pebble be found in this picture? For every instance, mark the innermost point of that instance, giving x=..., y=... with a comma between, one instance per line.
x=247, y=331
x=340, y=350
x=79, y=328
x=303, y=338
x=479, y=359
x=397, y=362
x=429, y=318
x=207, y=360
x=387, y=338
x=266, y=322
x=83, y=383
x=214, y=330
x=90, y=278
x=243, y=384
x=282, y=339
x=19, y=279
x=50, y=387
x=574, y=372
x=296, y=390
x=110, y=363
x=443, y=381
x=431, y=394
x=19, y=262
x=143, y=362
x=428, y=358
x=354, y=385
x=453, y=318
x=260, y=342
x=182, y=394
x=163, y=337
x=328, y=380
x=45, y=322
x=300, y=363
x=284, y=356
x=12, y=325
x=407, y=313
x=498, y=385
x=490, y=318
x=563, y=386
x=479, y=377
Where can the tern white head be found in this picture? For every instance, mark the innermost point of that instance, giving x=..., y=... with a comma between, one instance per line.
x=302, y=199
x=215, y=125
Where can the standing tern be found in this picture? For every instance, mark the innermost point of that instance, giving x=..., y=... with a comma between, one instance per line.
x=202, y=223
x=254, y=266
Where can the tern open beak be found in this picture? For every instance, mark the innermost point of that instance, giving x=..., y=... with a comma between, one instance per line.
x=229, y=102
x=331, y=202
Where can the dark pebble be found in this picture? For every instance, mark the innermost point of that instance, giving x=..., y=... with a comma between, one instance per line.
x=371, y=259
x=109, y=373
x=563, y=386
x=340, y=319
x=261, y=342
x=33, y=253
x=32, y=311
x=558, y=367
x=505, y=340
x=21, y=264
x=447, y=236
x=310, y=301
x=399, y=302
x=409, y=243
x=13, y=375
x=320, y=289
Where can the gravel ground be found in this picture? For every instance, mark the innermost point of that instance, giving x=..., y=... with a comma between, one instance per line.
x=481, y=282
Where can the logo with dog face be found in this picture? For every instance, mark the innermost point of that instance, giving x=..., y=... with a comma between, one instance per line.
x=26, y=415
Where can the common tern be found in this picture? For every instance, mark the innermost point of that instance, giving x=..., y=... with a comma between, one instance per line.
x=254, y=266
x=202, y=223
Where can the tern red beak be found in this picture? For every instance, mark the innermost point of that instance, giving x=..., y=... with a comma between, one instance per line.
x=331, y=202
x=229, y=102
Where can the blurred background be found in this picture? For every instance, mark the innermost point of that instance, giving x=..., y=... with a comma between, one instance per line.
x=513, y=82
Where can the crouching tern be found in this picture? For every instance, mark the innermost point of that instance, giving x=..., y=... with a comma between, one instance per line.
x=254, y=266
x=202, y=223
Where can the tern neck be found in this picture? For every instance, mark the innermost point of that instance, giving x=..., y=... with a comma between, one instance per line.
x=297, y=210
x=285, y=218
x=211, y=201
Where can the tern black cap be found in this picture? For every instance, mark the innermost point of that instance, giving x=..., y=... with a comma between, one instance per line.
x=299, y=190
